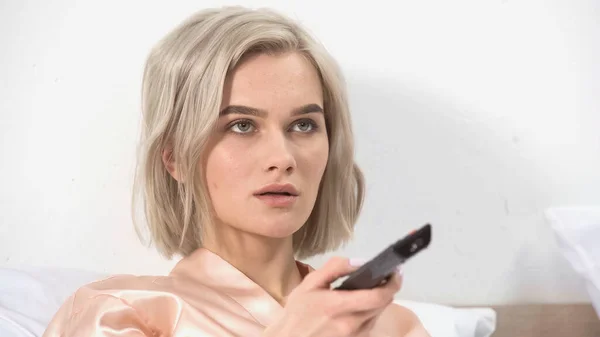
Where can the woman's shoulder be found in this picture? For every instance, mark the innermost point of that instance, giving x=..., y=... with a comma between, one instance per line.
x=127, y=287
x=121, y=282
x=112, y=287
x=132, y=297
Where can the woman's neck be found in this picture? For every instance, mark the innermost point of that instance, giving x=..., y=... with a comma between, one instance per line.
x=269, y=262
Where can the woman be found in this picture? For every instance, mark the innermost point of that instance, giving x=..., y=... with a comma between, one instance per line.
x=246, y=164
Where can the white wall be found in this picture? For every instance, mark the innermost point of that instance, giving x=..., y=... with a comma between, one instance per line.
x=472, y=115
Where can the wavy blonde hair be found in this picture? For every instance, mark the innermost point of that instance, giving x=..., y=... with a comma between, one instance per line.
x=181, y=95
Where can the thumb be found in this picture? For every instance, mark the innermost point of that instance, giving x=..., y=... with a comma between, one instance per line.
x=333, y=269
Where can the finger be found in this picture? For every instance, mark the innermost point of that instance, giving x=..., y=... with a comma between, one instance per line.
x=360, y=300
x=399, y=270
x=395, y=282
x=367, y=299
x=398, y=273
x=398, y=282
x=392, y=286
x=357, y=261
x=333, y=269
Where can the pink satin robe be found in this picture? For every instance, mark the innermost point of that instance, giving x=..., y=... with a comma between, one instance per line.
x=202, y=296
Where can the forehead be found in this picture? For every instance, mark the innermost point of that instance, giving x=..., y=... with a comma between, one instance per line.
x=280, y=81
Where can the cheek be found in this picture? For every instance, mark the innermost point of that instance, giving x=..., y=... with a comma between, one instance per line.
x=323, y=155
x=317, y=160
x=223, y=170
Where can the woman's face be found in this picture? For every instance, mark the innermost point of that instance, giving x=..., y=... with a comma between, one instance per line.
x=267, y=156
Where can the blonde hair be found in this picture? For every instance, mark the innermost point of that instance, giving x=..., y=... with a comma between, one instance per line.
x=181, y=95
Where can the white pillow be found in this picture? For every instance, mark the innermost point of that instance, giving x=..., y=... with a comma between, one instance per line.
x=577, y=230
x=446, y=321
x=29, y=298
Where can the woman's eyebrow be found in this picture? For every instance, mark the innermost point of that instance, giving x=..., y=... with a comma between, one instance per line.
x=246, y=110
x=306, y=109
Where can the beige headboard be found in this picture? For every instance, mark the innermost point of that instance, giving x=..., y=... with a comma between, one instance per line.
x=547, y=320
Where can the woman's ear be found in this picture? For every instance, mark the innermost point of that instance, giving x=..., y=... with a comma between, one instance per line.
x=169, y=161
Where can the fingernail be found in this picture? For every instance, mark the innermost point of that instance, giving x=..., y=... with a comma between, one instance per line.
x=357, y=262
x=399, y=271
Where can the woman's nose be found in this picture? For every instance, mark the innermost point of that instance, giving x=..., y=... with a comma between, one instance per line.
x=279, y=155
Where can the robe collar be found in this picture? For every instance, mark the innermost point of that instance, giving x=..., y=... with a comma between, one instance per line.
x=211, y=270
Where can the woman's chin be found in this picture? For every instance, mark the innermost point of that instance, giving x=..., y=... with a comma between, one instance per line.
x=277, y=230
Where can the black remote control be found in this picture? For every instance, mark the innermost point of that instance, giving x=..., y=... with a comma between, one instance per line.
x=379, y=269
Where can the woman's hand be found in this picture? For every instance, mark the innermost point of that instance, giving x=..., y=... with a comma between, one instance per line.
x=314, y=310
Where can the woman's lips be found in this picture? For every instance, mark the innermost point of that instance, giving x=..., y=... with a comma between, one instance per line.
x=277, y=199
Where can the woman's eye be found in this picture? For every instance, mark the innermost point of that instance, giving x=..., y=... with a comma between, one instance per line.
x=304, y=126
x=242, y=127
